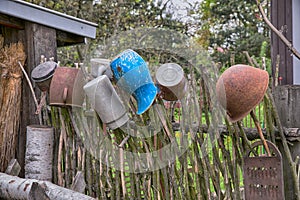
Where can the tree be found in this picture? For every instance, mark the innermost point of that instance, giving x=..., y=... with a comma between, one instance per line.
x=113, y=17
x=232, y=27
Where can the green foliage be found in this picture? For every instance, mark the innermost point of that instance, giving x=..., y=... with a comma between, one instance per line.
x=112, y=17
x=232, y=27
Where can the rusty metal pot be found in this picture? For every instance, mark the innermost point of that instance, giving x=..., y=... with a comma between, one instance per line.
x=43, y=73
x=66, y=87
x=240, y=88
x=171, y=81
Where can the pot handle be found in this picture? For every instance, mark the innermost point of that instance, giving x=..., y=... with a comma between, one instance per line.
x=65, y=94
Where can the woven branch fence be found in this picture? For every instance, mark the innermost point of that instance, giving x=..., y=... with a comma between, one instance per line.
x=202, y=165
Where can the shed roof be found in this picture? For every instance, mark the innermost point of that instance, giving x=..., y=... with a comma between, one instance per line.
x=37, y=14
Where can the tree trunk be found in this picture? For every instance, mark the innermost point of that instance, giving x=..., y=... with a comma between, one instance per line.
x=39, y=152
x=12, y=187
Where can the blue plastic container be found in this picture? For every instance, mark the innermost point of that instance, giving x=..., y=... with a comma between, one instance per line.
x=132, y=75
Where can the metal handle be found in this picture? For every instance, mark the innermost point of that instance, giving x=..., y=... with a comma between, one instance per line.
x=271, y=146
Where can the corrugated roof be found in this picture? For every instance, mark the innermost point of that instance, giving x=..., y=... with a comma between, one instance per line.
x=47, y=17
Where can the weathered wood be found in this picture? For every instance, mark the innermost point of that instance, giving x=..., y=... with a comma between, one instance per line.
x=79, y=184
x=281, y=18
x=12, y=187
x=39, y=152
x=40, y=40
x=13, y=168
x=11, y=22
x=38, y=192
x=287, y=102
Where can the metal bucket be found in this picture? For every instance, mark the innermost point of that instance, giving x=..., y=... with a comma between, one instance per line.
x=263, y=175
x=240, y=88
x=66, y=87
x=42, y=74
x=171, y=81
x=132, y=75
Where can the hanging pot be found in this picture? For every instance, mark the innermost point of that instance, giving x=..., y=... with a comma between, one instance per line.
x=240, y=88
x=106, y=102
x=171, y=81
x=132, y=75
x=66, y=87
x=43, y=73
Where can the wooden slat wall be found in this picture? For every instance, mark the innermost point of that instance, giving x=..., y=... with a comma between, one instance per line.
x=281, y=17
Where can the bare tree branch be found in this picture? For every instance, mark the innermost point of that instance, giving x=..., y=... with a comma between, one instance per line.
x=276, y=31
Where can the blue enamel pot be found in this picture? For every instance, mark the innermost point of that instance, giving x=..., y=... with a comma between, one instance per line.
x=132, y=75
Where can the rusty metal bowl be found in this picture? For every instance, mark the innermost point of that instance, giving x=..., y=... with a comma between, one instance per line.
x=240, y=88
x=66, y=87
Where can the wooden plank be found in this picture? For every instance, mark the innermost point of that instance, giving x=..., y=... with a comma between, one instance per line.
x=11, y=22
x=281, y=46
x=281, y=17
x=13, y=168
x=274, y=38
x=287, y=102
x=289, y=36
x=65, y=39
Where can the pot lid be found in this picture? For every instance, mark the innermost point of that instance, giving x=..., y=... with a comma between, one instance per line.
x=43, y=71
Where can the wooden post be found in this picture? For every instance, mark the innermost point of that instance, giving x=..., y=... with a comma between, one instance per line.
x=287, y=98
x=13, y=168
x=39, y=152
x=40, y=40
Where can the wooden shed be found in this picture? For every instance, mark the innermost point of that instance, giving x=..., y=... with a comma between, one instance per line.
x=41, y=31
x=285, y=16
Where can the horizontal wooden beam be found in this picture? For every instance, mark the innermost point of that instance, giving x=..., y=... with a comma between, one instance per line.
x=43, y=16
x=11, y=22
